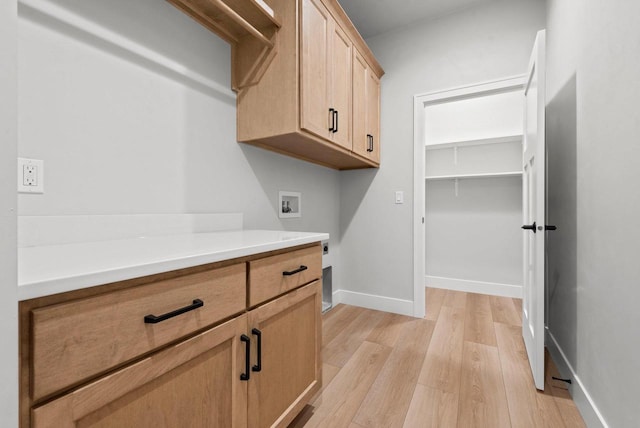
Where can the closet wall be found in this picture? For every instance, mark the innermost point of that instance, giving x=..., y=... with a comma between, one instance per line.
x=473, y=165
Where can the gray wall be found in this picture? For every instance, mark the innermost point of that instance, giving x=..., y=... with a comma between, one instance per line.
x=593, y=124
x=120, y=135
x=476, y=235
x=480, y=44
x=8, y=145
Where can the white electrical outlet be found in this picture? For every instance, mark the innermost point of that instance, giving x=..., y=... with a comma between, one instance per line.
x=30, y=176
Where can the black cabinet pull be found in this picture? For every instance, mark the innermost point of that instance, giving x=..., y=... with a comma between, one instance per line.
x=153, y=319
x=337, y=117
x=550, y=227
x=293, y=272
x=333, y=119
x=369, y=142
x=258, y=367
x=530, y=227
x=247, y=373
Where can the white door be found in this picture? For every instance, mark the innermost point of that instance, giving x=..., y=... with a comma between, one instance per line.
x=533, y=192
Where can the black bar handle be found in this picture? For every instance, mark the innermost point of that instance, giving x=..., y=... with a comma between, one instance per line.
x=247, y=373
x=530, y=227
x=337, y=117
x=258, y=367
x=293, y=272
x=153, y=319
x=333, y=119
x=550, y=227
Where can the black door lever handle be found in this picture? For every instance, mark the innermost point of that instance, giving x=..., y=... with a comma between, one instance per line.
x=550, y=227
x=530, y=227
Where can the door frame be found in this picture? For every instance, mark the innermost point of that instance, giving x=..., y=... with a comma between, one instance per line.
x=420, y=101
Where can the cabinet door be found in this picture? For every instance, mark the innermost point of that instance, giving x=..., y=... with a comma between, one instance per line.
x=314, y=69
x=341, y=85
x=373, y=114
x=360, y=77
x=195, y=383
x=291, y=337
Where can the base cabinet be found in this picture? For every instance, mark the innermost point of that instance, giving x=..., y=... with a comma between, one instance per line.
x=256, y=368
x=290, y=364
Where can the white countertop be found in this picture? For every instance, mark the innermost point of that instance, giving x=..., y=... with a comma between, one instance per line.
x=52, y=269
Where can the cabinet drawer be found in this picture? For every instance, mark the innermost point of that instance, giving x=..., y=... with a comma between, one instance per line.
x=77, y=340
x=195, y=383
x=275, y=275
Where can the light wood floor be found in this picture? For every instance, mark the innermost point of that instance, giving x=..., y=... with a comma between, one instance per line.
x=464, y=365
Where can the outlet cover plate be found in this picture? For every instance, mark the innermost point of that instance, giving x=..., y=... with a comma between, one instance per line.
x=30, y=175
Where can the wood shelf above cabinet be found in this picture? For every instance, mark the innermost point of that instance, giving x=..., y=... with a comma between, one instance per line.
x=232, y=20
x=250, y=26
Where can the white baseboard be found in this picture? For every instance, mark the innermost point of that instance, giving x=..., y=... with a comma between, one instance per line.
x=492, y=288
x=371, y=301
x=588, y=410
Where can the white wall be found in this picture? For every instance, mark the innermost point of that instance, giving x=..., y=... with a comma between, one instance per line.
x=8, y=281
x=479, y=44
x=121, y=135
x=593, y=124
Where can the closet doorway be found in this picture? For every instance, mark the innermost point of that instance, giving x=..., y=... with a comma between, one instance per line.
x=468, y=189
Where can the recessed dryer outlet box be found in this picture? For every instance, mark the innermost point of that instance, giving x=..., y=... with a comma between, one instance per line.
x=289, y=204
x=30, y=176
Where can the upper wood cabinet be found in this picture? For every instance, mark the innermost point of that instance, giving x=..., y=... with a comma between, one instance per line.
x=325, y=77
x=295, y=67
x=303, y=104
x=366, y=109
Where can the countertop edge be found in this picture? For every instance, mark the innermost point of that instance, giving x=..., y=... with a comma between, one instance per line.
x=32, y=290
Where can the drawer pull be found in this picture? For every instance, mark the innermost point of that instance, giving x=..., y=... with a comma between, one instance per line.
x=153, y=319
x=293, y=272
x=258, y=367
x=247, y=373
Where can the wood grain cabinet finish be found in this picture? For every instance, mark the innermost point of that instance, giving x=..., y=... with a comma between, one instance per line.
x=366, y=109
x=302, y=105
x=271, y=276
x=195, y=383
x=325, y=76
x=88, y=359
x=76, y=340
x=291, y=372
